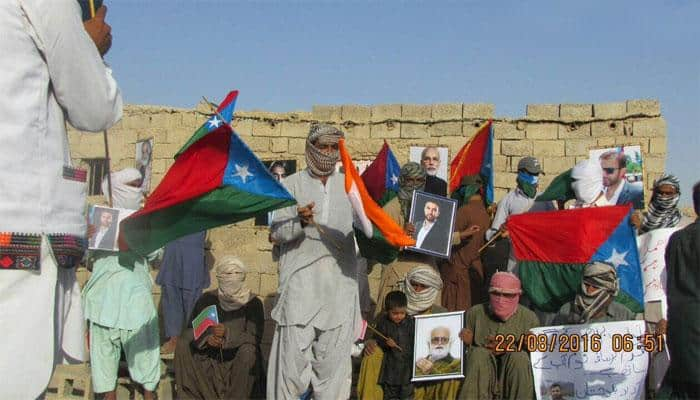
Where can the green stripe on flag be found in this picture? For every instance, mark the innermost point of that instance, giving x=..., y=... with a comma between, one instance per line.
x=559, y=189
x=376, y=248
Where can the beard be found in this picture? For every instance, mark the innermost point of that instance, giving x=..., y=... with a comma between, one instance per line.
x=431, y=171
x=439, y=352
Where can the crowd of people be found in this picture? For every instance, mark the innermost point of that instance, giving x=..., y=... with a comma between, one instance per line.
x=54, y=73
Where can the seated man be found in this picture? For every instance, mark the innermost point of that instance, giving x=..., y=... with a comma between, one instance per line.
x=595, y=301
x=228, y=363
x=486, y=365
x=439, y=360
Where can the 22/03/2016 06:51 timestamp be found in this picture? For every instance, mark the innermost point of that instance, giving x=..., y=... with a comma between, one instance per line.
x=573, y=343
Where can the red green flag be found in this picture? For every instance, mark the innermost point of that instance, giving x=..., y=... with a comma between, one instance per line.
x=553, y=247
x=215, y=180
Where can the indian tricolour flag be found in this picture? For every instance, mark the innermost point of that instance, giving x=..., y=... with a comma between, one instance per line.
x=370, y=216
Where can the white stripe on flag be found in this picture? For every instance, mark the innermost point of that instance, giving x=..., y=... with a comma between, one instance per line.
x=362, y=220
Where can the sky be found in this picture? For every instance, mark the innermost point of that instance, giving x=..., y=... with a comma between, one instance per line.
x=289, y=55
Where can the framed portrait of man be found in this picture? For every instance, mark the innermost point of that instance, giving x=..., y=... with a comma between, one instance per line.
x=623, y=174
x=144, y=161
x=433, y=218
x=438, y=350
x=105, y=227
x=279, y=169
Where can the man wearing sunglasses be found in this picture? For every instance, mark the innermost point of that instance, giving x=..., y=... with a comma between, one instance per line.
x=618, y=190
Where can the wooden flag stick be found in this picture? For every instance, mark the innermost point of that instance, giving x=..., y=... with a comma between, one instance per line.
x=493, y=239
x=381, y=336
x=92, y=8
x=109, y=169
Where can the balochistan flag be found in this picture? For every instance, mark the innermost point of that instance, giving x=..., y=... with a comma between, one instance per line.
x=475, y=157
x=551, y=261
x=382, y=176
x=376, y=225
x=559, y=189
x=208, y=317
x=215, y=180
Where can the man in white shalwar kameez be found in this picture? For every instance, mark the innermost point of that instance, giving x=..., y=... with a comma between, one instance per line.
x=317, y=310
x=50, y=72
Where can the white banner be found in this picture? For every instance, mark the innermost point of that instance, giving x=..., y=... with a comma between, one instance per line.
x=593, y=361
x=652, y=247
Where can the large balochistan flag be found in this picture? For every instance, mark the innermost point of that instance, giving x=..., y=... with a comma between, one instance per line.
x=381, y=177
x=475, y=158
x=552, y=249
x=215, y=180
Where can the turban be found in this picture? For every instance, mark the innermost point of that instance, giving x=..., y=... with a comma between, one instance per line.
x=421, y=301
x=124, y=196
x=663, y=211
x=504, y=283
x=230, y=274
x=603, y=277
x=405, y=195
x=588, y=180
x=320, y=163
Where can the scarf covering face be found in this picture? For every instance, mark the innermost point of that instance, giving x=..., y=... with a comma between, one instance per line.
x=230, y=273
x=663, y=212
x=501, y=306
x=528, y=184
x=405, y=195
x=603, y=277
x=425, y=275
x=588, y=180
x=123, y=195
x=470, y=185
x=320, y=163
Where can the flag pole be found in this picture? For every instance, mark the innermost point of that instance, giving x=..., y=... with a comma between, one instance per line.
x=92, y=8
x=109, y=174
x=382, y=336
x=493, y=239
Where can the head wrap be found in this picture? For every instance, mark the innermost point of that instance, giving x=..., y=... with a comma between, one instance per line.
x=603, y=277
x=405, y=195
x=527, y=183
x=232, y=293
x=501, y=306
x=588, y=180
x=469, y=186
x=320, y=163
x=663, y=212
x=123, y=195
x=425, y=275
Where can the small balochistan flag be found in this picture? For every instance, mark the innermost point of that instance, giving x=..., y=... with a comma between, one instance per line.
x=373, y=220
x=475, y=158
x=381, y=177
x=208, y=317
x=215, y=180
x=551, y=261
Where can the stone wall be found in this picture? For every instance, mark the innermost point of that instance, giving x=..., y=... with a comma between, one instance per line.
x=558, y=134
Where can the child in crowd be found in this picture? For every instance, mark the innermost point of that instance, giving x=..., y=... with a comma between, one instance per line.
x=397, y=326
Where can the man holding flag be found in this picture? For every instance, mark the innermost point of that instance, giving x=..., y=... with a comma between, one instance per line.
x=317, y=309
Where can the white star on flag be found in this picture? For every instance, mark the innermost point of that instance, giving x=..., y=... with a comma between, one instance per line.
x=394, y=179
x=617, y=259
x=242, y=172
x=214, y=122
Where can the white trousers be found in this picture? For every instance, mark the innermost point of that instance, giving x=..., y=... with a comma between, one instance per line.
x=42, y=325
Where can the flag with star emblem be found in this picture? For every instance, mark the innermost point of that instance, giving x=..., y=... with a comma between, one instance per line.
x=381, y=177
x=551, y=261
x=215, y=180
x=475, y=157
x=208, y=317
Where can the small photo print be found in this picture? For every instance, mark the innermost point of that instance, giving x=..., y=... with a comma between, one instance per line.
x=438, y=350
x=557, y=391
x=433, y=159
x=623, y=174
x=280, y=170
x=144, y=161
x=433, y=218
x=104, y=222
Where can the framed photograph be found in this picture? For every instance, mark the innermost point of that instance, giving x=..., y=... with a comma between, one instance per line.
x=434, y=162
x=623, y=174
x=106, y=221
x=438, y=350
x=279, y=169
x=144, y=160
x=433, y=217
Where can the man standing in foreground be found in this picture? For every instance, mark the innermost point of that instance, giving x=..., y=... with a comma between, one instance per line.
x=683, y=290
x=50, y=71
x=317, y=310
